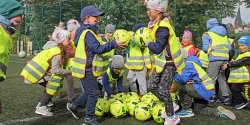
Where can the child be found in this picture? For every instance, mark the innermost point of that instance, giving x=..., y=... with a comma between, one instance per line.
x=168, y=57
x=54, y=55
x=84, y=67
x=138, y=63
x=60, y=26
x=109, y=30
x=239, y=74
x=72, y=26
x=114, y=75
x=187, y=43
x=11, y=16
x=195, y=83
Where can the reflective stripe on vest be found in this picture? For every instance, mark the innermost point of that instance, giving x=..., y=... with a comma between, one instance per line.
x=54, y=85
x=5, y=46
x=100, y=62
x=111, y=79
x=174, y=45
x=38, y=66
x=80, y=59
x=240, y=75
x=205, y=79
x=203, y=57
x=219, y=45
x=137, y=59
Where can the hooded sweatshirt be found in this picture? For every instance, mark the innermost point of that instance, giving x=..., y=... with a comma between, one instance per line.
x=190, y=73
x=220, y=30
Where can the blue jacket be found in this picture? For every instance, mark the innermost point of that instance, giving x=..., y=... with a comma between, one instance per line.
x=189, y=73
x=206, y=40
x=106, y=84
x=6, y=24
x=93, y=47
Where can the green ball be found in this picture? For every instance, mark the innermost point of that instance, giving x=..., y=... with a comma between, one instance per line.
x=131, y=103
x=158, y=110
x=99, y=111
x=104, y=104
x=118, y=108
x=142, y=111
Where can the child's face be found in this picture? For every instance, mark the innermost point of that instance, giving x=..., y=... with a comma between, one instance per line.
x=92, y=20
x=185, y=41
x=243, y=48
x=109, y=35
x=66, y=42
x=117, y=71
x=152, y=14
x=61, y=24
x=16, y=21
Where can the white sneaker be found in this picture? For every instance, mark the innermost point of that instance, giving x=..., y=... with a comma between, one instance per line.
x=50, y=104
x=38, y=105
x=173, y=120
x=43, y=110
x=176, y=108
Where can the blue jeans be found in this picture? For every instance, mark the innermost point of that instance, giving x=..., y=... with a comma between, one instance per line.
x=90, y=94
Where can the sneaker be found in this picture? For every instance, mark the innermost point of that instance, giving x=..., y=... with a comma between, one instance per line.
x=50, y=104
x=38, y=105
x=185, y=113
x=43, y=110
x=242, y=105
x=226, y=101
x=90, y=122
x=73, y=111
x=211, y=103
x=224, y=113
x=173, y=120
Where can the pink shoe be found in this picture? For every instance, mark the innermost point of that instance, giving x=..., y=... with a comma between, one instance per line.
x=173, y=120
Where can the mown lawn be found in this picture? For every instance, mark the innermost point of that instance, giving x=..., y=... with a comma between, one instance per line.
x=19, y=101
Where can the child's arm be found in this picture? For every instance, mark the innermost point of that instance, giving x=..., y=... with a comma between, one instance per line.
x=95, y=46
x=239, y=63
x=120, y=84
x=105, y=82
x=158, y=46
x=205, y=42
x=55, y=66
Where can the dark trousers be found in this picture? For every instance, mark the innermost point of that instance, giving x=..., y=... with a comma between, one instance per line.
x=90, y=95
x=46, y=98
x=241, y=93
x=160, y=84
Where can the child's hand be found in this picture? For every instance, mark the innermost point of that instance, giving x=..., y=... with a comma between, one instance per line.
x=224, y=67
x=112, y=95
x=147, y=43
x=121, y=44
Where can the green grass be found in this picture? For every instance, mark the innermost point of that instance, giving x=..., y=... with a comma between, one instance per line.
x=19, y=101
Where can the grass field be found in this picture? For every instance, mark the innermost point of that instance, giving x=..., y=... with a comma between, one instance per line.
x=19, y=101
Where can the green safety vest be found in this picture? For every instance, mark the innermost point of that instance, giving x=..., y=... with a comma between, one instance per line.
x=219, y=46
x=137, y=59
x=174, y=45
x=203, y=57
x=38, y=66
x=239, y=74
x=205, y=79
x=5, y=47
x=99, y=64
x=111, y=79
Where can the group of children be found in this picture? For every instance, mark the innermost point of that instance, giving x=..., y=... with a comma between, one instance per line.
x=79, y=52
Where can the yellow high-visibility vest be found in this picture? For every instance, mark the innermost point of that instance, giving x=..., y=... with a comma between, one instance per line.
x=138, y=59
x=54, y=85
x=100, y=61
x=203, y=57
x=113, y=80
x=187, y=48
x=219, y=45
x=174, y=45
x=205, y=79
x=5, y=47
x=240, y=74
x=37, y=67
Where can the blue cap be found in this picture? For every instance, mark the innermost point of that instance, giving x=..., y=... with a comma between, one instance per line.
x=212, y=22
x=90, y=11
x=245, y=40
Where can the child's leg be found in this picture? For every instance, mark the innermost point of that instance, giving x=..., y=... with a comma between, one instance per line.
x=164, y=88
x=185, y=100
x=223, y=87
x=70, y=87
x=247, y=91
x=90, y=86
x=141, y=78
x=153, y=83
x=131, y=80
x=237, y=90
x=45, y=99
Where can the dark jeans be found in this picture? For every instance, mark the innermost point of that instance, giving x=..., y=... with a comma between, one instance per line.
x=91, y=93
x=46, y=98
x=160, y=84
x=241, y=93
